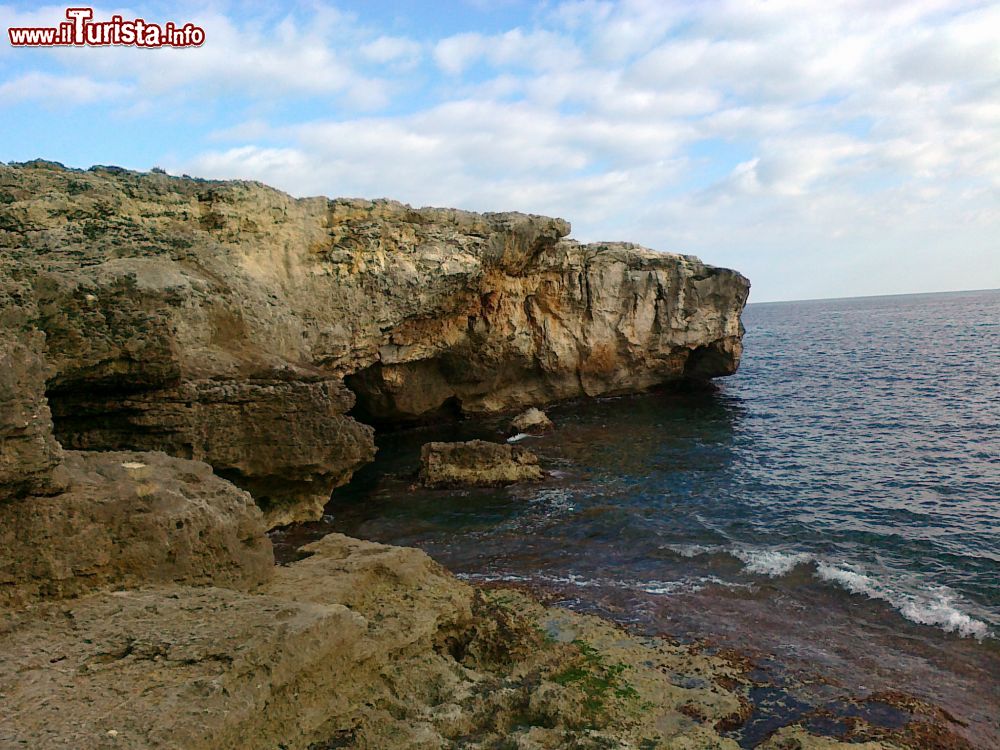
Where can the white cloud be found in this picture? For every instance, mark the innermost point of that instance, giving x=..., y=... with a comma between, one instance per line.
x=250, y=57
x=286, y=59
x=807, y=143
x=537, y=50
x=392, y=49
x=59, y=91
x=454, y=54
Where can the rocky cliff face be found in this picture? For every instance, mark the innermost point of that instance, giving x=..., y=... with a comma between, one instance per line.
x=128, y=519
x=232, y=324
x=29, y=453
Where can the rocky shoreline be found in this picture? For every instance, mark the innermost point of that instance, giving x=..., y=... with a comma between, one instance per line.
x=186, y=364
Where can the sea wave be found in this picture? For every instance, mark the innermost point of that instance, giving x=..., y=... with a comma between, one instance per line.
x=554, y=499
x=770, y=562
x=920, y=602
x=935, y=606
x=687, y=585
x=693, y=550
x=519, y=437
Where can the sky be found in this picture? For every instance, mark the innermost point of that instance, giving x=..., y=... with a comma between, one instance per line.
x=823, y=149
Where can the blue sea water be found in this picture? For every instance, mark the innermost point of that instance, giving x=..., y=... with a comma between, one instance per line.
x=841, y=490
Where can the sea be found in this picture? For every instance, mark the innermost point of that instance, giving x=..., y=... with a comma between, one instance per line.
x=833, y=509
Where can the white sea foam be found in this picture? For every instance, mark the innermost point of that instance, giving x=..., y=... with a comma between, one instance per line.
x=518, y=437
x=660, y=588
x=933, y=606
x=665, y=588
x=493, y=577
x=556, y=500
x=687, y=585
x=693, y=550
x=770, y=562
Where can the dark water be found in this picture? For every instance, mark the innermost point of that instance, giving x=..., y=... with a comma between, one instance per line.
x=834, y=507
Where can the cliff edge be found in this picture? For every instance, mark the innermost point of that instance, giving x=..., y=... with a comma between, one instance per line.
x=230, y=323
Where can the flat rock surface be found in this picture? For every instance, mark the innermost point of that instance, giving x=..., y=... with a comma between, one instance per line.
x=168, y=667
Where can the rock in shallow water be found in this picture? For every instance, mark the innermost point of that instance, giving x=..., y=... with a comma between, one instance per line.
x=531, y=422
x=477, y=462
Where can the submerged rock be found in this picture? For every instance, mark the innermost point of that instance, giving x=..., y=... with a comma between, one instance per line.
x=797, y=738
x=531, y=422
x=477, y=462
x=230, y=323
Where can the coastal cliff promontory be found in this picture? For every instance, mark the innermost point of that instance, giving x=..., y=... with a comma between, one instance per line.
x=230, y=323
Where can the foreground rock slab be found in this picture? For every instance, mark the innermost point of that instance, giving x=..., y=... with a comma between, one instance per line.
x=477, y=462
x=169, y=667
x=359, y=645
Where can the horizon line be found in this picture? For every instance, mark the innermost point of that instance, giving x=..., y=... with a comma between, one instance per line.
x=873, y=296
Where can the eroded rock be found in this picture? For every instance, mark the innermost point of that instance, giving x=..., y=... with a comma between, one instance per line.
x=28, y=451
x=171, y=667
x=358, y=645
x=533, y=421
x=129, y=519
x=477, y=462
x=286, y=441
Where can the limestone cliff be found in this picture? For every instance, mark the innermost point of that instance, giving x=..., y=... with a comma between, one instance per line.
x=229, y=323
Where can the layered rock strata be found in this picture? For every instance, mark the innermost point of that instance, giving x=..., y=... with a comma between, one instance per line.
x=229, y=323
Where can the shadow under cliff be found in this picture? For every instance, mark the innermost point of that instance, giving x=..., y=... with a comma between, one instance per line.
x=605, y=452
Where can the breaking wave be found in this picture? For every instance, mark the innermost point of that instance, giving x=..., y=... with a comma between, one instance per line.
x=920, y=602
x=769, y=562
x=935, y=606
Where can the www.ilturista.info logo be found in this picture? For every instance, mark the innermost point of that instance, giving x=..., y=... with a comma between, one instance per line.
x=81, y=30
